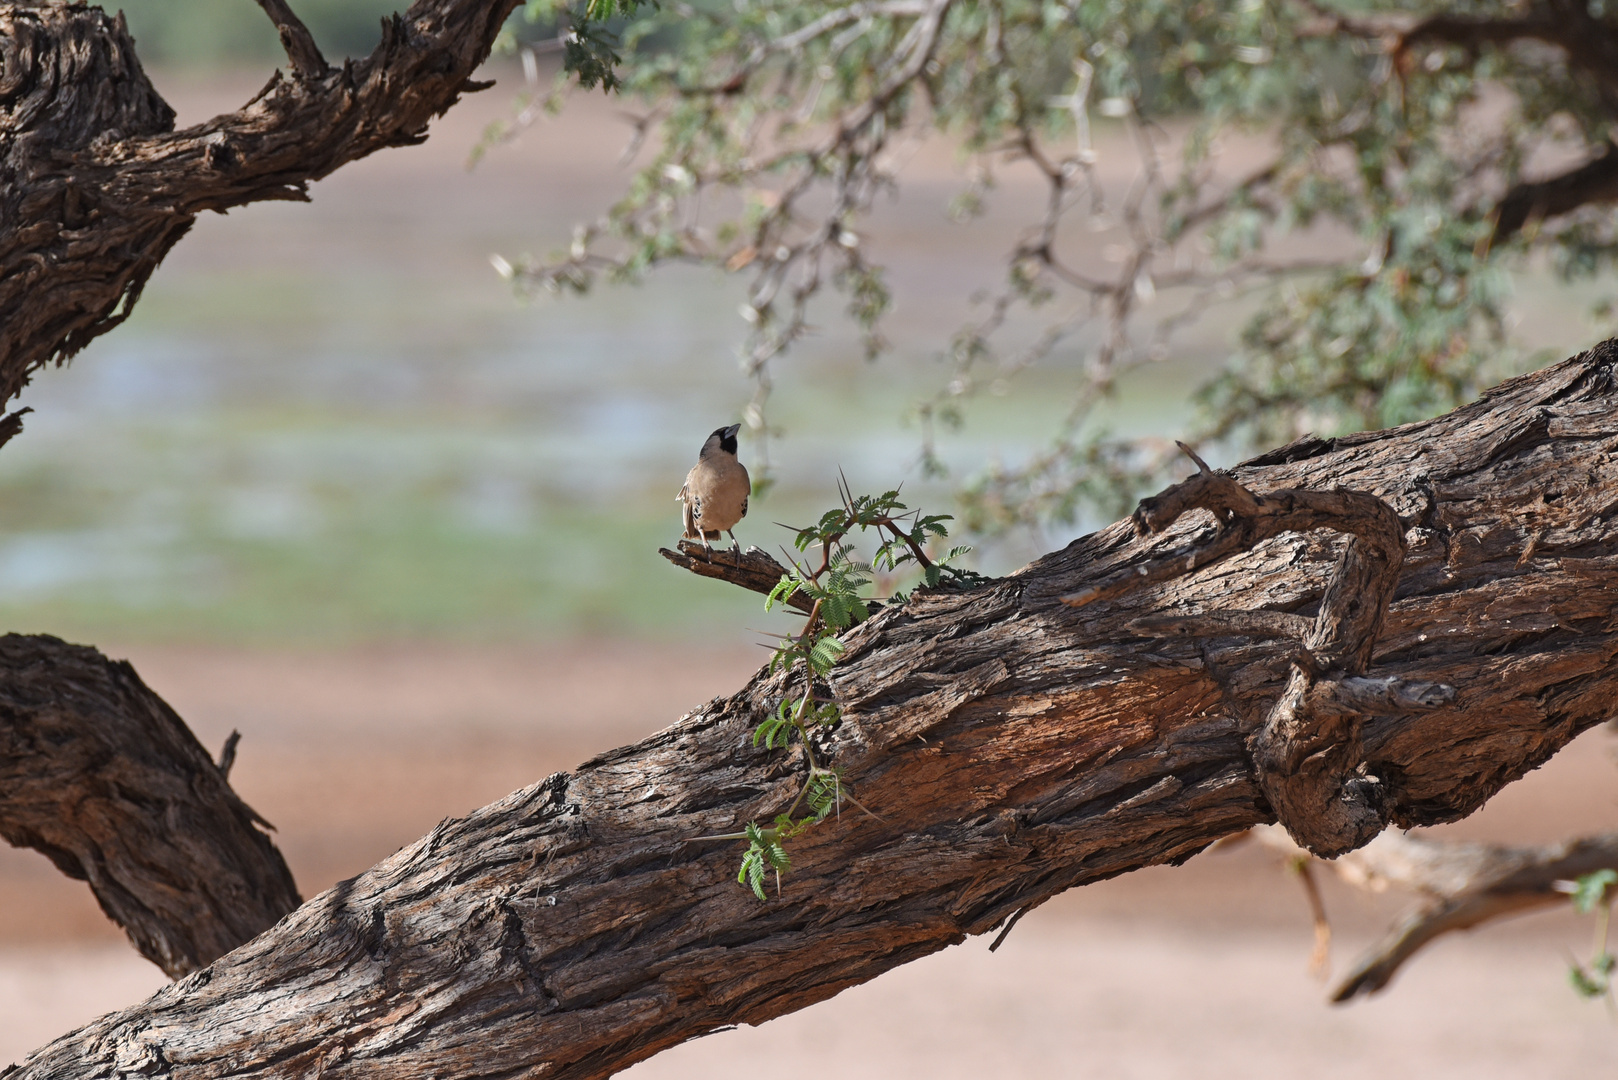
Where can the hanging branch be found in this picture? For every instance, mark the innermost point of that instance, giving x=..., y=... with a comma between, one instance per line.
x=101, y=776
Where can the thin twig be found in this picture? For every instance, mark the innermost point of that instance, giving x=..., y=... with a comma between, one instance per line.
x=227, y=756
x=299, y=43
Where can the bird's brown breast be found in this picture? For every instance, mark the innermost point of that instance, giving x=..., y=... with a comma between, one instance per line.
x=716, y=492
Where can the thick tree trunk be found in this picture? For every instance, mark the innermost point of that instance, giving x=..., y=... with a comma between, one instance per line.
x=96, y=186
x=100, y=775
x=1014, y=744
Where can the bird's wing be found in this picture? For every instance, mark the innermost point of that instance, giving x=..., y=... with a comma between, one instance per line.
x=690, y=482
x=689, y=520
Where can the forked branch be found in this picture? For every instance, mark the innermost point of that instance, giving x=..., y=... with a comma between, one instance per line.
x=1468, y=884
x=98, y=186
x=1464, y=885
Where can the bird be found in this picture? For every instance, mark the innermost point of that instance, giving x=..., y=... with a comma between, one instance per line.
x=714, y=496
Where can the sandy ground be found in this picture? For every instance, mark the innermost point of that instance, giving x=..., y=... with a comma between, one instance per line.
x=1199, y=970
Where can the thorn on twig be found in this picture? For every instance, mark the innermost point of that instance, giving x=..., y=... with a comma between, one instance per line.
x=11, y=426
x=1006, y=929
x=227, y=756
x=1202, y=466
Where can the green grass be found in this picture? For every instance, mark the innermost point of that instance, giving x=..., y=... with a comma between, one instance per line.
x=272, y=525
x=208, y=33
x=416, y=578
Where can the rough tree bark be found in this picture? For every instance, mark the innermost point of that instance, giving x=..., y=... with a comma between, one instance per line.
x=100, y=775
x=1015, y=744
x=96, y=186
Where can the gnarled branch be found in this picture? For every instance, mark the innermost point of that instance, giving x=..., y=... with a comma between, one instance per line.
x=100, y=775
x=295, y=39
x=96, y=186
x=1307, y=753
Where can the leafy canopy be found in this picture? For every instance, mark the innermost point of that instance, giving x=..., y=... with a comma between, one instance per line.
x=1399, y=145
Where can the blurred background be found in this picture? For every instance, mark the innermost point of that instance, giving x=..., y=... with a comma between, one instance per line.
x=336, y=486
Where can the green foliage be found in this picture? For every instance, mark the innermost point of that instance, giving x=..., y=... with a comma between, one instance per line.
x=1594, y=981
x=590, y=40
x=824, y=793
x=1590, y=890
x=774, y=126
x=766, y=851
x=808, y=656
x=1593, y=892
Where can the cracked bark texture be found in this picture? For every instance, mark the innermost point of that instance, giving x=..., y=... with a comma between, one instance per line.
x=100, y=775
x=1014, y=745
x=96, y=186
x=1307, y=754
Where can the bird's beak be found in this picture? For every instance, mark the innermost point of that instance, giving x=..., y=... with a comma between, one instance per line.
x=730, y=432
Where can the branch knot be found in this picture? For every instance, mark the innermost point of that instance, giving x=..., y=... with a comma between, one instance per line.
x=1307, y=754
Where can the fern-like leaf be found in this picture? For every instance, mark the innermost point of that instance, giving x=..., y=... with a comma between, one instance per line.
x=824, y=653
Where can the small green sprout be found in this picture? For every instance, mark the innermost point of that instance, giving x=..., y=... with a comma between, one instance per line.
x=1593, y=892
x=834, y=586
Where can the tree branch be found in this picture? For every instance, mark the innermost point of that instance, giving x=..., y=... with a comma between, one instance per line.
x=100, y=775
x=1590, y=45
x=753, y=569
x=96, y=186
x=1308, y=755
x=1014, y=745
x=1469, y=884
x=1473, y=33
x=295, y=39
x=11, y=425
x=1465, y=884
x=1593, y=182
